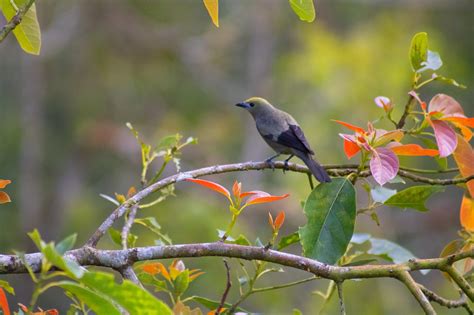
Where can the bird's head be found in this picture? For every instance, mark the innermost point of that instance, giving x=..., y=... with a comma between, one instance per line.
x=256, y=105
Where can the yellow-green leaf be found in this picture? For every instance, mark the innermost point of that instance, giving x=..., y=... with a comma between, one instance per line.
x=28, y=32
x=212, y=7
x=304, y=9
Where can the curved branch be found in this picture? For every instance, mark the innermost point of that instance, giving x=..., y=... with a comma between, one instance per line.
x=406, y=278
x=334, y=170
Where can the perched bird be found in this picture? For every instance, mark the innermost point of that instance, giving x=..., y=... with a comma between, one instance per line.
x=283, y=134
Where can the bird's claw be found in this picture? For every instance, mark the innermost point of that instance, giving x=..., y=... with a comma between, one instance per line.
x=271, y=164
x=286, y=167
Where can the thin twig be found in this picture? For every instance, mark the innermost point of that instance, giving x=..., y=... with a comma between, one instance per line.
x=239, y=167
x=404, y=116
x=406, y=278
x=461, y=302
x=227, y=288
x=128, y=225
x=341, y=299
x=15, y=20
x=128, y=273
x=460, y=281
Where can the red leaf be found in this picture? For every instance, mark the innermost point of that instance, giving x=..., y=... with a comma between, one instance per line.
x=383, y=165
x=264, y=198
x=350, y=148
x=413, y=150
x=466, y=214
x=4, y=183
x=279, y=220
x=270, y=220
x=211, y=185
x=351, y=127
x=236, y=188
x=248, y=193
x=445, y=137
x=4, y=198
x=4, y=303
x=464, y=155
x=445, y=104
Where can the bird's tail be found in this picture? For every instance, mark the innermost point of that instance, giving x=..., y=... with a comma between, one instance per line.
x=318, y=171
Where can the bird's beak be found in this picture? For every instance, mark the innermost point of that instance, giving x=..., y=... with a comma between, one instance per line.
x=243, y=104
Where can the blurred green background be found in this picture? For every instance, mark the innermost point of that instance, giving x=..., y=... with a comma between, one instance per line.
x=163, y=66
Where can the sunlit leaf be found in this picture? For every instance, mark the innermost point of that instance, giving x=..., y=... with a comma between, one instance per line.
x=330, y=210
x=264, y=198
x=69, y=266
x=413, y=150
x=279, y=220
x=394, y=135
x=94, y=300
x=28, y=32
x=467, y=213
x=211, y=185
x=4, y=183
x=383, y=165
x=128, y=295
x=445, y=104
x=212, y=7
x=445, y=137
x=181, y=282
x=418, y=50
x=413, y=197
x=464, y=157
x=5, y=285
x=350, y=148
x=304, y=9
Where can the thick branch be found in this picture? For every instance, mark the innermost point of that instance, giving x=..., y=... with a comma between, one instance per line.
x=15, y=20
x=406, y=278
x=333, y=170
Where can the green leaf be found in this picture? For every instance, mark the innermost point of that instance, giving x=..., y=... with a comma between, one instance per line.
x=413, y=197
x=288, y=240
x=212, y=304
x=148, y=279
x=433, y=62
x=93, y=300
x=63, y=263
x=330, y=210
x=116, y=237
x=66, y=244
x=448, y=81
x=4, y=284
x=359, y=238
x=389, y=251
x=181, y=283
x=297, y=312
x=381, y=194
x=169, y=142
x=36, y=238
x=28, y=32
x=131, y=297
x=304, y=9
x=418, y=50
x=241, y=240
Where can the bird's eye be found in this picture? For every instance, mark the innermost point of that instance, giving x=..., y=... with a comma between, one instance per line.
x=251, y=104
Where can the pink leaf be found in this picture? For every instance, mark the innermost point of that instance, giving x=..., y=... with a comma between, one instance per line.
x=446, y=105
x=445, y=137
x=383, y=165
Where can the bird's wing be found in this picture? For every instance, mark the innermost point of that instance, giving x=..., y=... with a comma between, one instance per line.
x=294, y=138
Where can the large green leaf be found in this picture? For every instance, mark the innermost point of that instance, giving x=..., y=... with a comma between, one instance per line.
x=413, y=197
x=330, y=210
x=95, y=301
x=418, y=50
x=304, y=9
x=28, y=32
x=131, y=297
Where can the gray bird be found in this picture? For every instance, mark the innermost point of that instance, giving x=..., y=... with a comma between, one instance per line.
x=283, y=134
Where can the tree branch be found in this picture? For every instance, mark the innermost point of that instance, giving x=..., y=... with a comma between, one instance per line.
x=405, y=277
x=15, y=20
x=401, y=122
x=461, y=302
x=227, y=288
x=128, y=225
x=333, y=170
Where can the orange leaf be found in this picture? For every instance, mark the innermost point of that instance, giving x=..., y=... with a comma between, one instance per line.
x=413, y=150
x=264, y=199
x=211, y=185
x=194, y=276
x=350, y=148
x=351, y=127
x=4, y=198
x=270, y=220
x=131, y=191
x=4, y=303
x=279, y=220
x=465, y=121
x=467, y=213
x=212, y=7
x=248, y=193
x=464, y=155
x=4, y=183
x=236, y=188
x=152, y=268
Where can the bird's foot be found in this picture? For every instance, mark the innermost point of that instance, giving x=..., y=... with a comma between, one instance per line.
x=270, y=163
x=286, y=167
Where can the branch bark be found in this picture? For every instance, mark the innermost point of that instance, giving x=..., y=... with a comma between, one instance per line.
x=15, y=20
